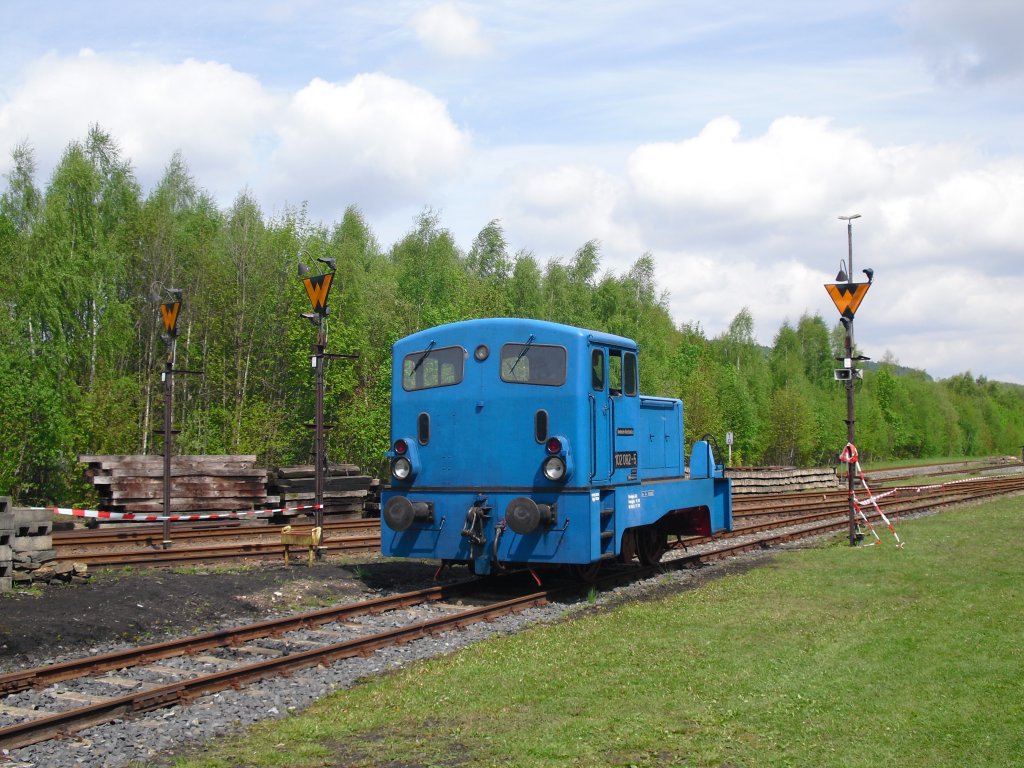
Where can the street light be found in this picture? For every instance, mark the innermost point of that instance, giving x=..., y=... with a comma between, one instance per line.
x=849, y=241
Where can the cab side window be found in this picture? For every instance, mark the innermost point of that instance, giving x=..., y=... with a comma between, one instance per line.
x=622, y=373
x=629, y=377
x=597, y=369
x=615, y=372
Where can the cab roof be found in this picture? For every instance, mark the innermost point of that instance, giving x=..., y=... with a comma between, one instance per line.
x=511, y=329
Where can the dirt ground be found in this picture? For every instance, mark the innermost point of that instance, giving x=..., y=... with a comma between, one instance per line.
x=142, y=606
x=134, y=606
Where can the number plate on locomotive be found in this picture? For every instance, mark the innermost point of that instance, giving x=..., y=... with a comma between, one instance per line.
x=625, y=459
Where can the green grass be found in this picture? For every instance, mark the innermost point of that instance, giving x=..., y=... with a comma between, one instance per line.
x=203, y=569
x=826, y=657
x=932, y=460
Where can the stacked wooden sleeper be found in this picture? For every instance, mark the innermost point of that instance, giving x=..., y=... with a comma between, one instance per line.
x=198, y=483
x=346, y=488
x=750, y=480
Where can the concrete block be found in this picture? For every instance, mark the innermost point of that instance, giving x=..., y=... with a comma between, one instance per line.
x=6, y=553
x=6, y=521
x=6, y=582
x=32, y=522
x=6, y=568
x=31, y=514
x=32, y=543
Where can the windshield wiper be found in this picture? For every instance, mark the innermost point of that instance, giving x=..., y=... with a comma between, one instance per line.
x=423, y=357
x=526, y=346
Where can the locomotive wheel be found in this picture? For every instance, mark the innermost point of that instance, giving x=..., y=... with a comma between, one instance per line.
x=650, y=544
x=586, y=572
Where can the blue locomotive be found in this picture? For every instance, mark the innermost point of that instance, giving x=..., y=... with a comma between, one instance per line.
x=528, y=442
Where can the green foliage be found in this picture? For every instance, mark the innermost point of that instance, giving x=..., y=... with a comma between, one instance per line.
x=525, y=294
x=81, y=349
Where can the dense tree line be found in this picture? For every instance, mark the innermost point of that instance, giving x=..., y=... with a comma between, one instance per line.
x=81, y=348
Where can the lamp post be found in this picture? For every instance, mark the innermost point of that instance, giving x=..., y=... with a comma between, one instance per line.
x=848, y=363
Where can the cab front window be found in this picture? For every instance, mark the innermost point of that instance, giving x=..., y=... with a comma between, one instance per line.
x=432, y=367
x=533, y=364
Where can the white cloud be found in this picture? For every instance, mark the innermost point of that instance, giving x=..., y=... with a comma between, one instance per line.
x=969, y=40
x=789, y=173
x=734, y=222
x=371, y=141
x=925, y=203
x=567, y=205
x=973, y=210
x=208, y=110
x=448, y=31
x=711, y=287
x=766, y=195
x=374, y=141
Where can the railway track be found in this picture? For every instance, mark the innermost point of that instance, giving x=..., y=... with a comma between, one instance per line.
x=59, y=699
x=151, y=534
x=141, y=544
x=48, y=702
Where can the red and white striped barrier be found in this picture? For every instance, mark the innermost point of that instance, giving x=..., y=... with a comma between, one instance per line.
x=849, y=456
x=139, y=518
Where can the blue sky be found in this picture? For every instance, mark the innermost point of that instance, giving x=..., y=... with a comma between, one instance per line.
x=722, y=137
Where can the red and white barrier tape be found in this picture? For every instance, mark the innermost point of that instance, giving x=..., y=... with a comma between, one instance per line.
x=140, y=518
x=849, y=456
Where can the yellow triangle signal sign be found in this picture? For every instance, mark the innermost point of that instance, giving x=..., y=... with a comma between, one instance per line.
x=847, y=296
x=318, y=287
x=169, y=312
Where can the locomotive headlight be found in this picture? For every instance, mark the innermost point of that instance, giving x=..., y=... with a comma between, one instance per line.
x=557, y=464
x=554, y=468
x=401, y=468
x=404, y=462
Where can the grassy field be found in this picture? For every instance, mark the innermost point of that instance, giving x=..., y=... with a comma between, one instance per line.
x=824, y=657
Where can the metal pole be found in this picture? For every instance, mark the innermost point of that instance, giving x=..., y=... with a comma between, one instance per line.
x=321, y=345
x=850, y=432
x=849, y=244
x=168, y=438
x=850, y=436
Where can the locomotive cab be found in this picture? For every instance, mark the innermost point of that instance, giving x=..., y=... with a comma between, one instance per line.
x=528, y=442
